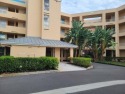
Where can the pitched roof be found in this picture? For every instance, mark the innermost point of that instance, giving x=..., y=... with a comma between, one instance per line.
x=37, y=41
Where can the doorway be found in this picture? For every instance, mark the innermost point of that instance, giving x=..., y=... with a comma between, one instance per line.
x=50, y=52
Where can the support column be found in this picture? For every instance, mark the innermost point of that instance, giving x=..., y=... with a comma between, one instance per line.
x=57, y=53
x=71, y=52
x=61, y=55
x=103, y=20
x=117, y=33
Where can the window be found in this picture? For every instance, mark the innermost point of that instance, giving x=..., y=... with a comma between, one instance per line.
x=1, y=51
x=46, y=21
x=2, y=36
x=63, y=21
x=11, y=23
x=62, y=30
x=11, y=9
x=46, y=5
x=3, y=23
x=3, y=9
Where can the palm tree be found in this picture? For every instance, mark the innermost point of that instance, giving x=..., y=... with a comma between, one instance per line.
x=72, y=35
x=77, y=35
x=83, y=38
x=100, y=39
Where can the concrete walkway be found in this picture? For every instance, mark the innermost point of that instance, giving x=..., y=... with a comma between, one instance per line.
x=64, y=66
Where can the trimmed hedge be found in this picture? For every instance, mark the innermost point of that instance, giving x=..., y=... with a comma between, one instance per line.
x=80, y=61
x=11, y=64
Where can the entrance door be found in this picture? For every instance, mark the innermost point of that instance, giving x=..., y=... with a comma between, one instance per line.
x=65, y=53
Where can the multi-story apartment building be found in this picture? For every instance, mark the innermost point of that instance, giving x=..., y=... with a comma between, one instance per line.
x=31, y=28
x=34, y=28
x=110, y=18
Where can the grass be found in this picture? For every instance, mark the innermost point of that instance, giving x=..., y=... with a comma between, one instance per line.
x=113, y=63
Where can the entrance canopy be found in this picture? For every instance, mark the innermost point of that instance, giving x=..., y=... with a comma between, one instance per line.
x=36, y=41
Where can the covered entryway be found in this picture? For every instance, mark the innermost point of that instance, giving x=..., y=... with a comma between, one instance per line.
x=37, y=47
x=65, y=53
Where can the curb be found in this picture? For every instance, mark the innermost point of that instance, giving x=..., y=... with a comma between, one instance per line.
x=27, y=73
x=91, y=67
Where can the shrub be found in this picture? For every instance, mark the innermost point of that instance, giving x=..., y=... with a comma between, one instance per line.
x=80, y=61
x=11, y=64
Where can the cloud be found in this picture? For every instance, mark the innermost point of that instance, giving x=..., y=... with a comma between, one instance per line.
x=77, y=6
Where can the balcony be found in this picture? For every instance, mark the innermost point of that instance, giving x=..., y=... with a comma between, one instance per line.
x=92, y=22
x=65, y=24
x=121, y=18
x=13, y=29
x=21, y=3
x=13, y=15
x=62, y=34
x=122, y=33
x=122, y=46
x=110, y=20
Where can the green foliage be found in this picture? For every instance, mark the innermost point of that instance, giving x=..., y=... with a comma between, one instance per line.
x=100, y=40
x=113, y=63
x=78, y=35
x=6, y=57
x=11, y=64
x=80, y=61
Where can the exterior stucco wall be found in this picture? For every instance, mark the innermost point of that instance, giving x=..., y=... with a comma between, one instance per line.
x=53, y=32
x=34, y=18
x=27, y=51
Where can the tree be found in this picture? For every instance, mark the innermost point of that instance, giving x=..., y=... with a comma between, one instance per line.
x=77, y=35
x=100, y=40
x=83, y=38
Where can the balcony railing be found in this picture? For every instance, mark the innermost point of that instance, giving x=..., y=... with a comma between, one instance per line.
x=122, y=31
x=14, y=29
x=92, y=21
x=110, y=20
x=122, y=44
x=123, y=17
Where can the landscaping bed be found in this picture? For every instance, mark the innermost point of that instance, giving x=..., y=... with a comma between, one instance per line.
x=15, y=65
x=112, y=63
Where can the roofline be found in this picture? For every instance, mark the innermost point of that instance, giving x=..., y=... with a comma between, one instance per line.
x=35, y=45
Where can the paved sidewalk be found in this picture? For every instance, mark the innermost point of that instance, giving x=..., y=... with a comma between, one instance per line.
x=64, y=66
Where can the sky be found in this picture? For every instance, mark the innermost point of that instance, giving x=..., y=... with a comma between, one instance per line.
x=78, y=6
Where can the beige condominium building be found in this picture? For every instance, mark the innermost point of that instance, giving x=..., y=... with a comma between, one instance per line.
x=35, y=28
x=110, y=18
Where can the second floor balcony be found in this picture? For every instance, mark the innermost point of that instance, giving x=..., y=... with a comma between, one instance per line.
x=12, y=29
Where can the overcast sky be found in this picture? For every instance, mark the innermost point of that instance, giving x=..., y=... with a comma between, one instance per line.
x=77, y=6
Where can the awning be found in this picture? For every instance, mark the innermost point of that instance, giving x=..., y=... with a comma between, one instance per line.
x=37, y=41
